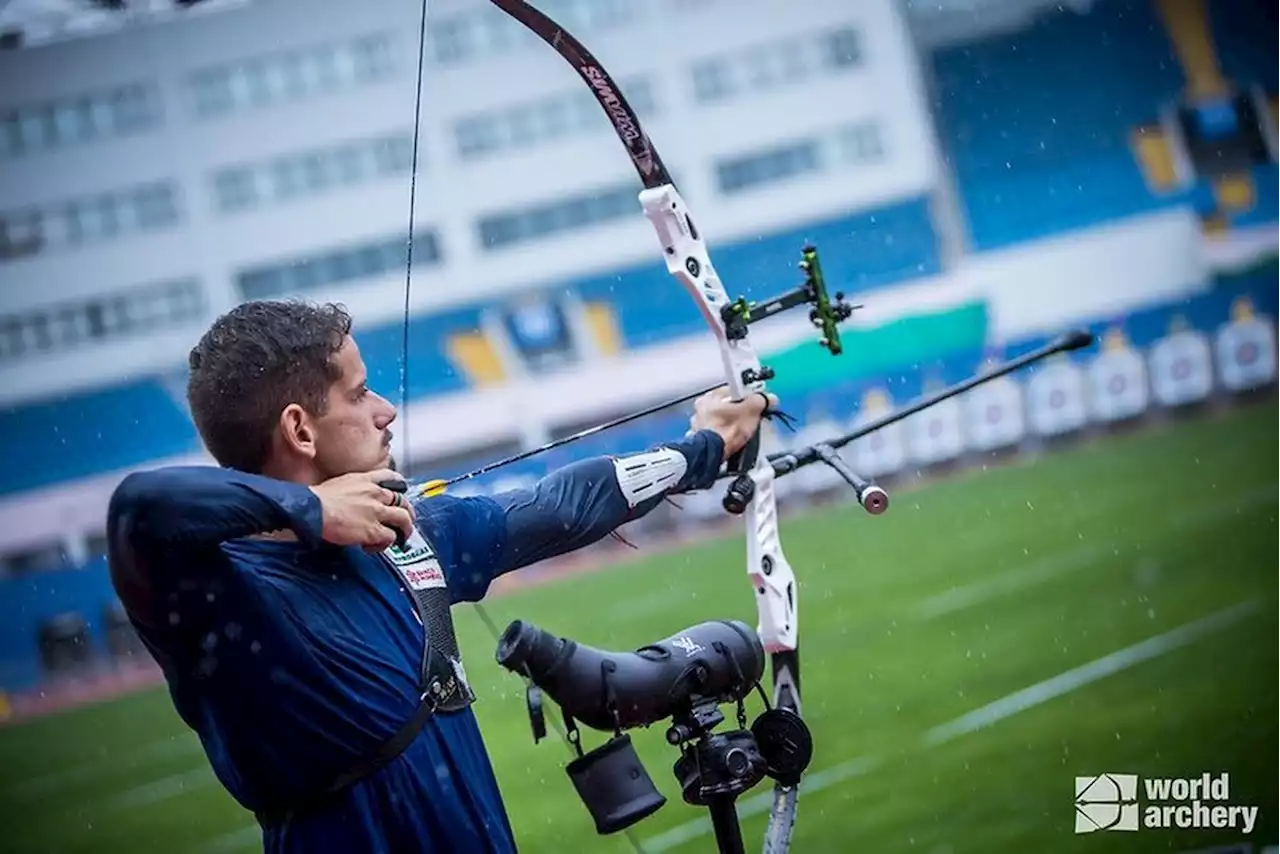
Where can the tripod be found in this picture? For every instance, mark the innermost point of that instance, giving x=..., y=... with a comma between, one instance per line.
x=715, y=768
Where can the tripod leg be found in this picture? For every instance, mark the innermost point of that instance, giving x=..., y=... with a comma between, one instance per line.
x=724, y=819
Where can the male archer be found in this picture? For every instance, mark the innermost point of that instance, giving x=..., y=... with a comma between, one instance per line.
x=291, y=633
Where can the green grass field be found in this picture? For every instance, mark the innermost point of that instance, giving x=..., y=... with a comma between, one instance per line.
x=964, y=594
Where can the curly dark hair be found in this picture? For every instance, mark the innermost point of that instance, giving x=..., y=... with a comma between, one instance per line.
x=253, y=362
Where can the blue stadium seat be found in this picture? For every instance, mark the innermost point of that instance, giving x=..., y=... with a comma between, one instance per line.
x=98, y=431
x=28, y=600
x=430, y=369
x=1266, y=204
x=1037, y=123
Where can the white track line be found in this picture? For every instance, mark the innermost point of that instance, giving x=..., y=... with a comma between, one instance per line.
x=236, y=840
x=1009, y=581
x=160, y=790
x=1065, y=683
x=156, y=751
x=1005, y=707
x=1055, y=565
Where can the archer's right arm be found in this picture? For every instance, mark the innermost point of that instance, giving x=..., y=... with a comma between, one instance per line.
x=162, y=523
x=194, y=506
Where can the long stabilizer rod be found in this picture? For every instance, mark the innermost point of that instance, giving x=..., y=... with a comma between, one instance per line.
x=872, y=497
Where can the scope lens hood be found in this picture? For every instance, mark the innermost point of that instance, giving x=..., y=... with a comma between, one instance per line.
x=516, y=645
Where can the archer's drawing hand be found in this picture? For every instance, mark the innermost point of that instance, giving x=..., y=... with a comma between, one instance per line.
x=359, y=512
x=735, y=421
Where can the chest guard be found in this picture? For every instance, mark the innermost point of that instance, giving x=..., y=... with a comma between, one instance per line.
x=443, y=681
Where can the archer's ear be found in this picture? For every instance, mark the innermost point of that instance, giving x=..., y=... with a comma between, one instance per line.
x=297, y=432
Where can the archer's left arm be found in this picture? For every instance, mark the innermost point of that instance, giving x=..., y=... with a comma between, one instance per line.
x=568, y=509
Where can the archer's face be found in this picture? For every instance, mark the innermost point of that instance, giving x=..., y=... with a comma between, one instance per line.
x=353, y=435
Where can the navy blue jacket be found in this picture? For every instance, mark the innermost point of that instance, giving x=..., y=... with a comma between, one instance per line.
x=293, y=660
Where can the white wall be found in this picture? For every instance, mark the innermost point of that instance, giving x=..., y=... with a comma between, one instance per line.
x=1084, y=275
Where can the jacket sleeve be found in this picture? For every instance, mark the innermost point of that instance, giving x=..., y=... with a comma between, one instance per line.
x=568, y=509
x=161, y=522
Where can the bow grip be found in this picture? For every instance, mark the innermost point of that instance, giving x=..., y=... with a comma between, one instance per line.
x=740, y=492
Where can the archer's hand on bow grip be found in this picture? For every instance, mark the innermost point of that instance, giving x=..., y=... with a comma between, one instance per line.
x=733, y=419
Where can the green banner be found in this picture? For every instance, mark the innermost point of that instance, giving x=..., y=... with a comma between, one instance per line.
x=879, y=350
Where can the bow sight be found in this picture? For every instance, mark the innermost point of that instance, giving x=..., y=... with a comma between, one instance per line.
x=825, y=314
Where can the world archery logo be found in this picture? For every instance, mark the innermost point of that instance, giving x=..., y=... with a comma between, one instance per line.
x=1107, y=802
x=1110, y=802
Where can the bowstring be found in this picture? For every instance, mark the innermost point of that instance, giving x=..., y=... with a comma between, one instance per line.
x=404, y=338
x=408, y=267
x=408, y=263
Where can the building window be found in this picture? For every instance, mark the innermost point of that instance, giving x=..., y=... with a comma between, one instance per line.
x=269, y=79
x=451, y=39
x=301, y=174
x=771, y=166
x=712, y=80
x=76, y=120
x=862, y=143
x=21, y=234
x=773, y=64
x=393, y=155
x=154, y=206
x=372, y=58
x=842, y=48
x=100, y=318
x=343, y=264
x=489, y=32
x=235, y=189
x=536, y=222
x=73, y=223
x=544, y=120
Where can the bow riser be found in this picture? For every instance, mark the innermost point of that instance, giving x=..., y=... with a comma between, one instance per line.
x=768, y=568
x=689, y=262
